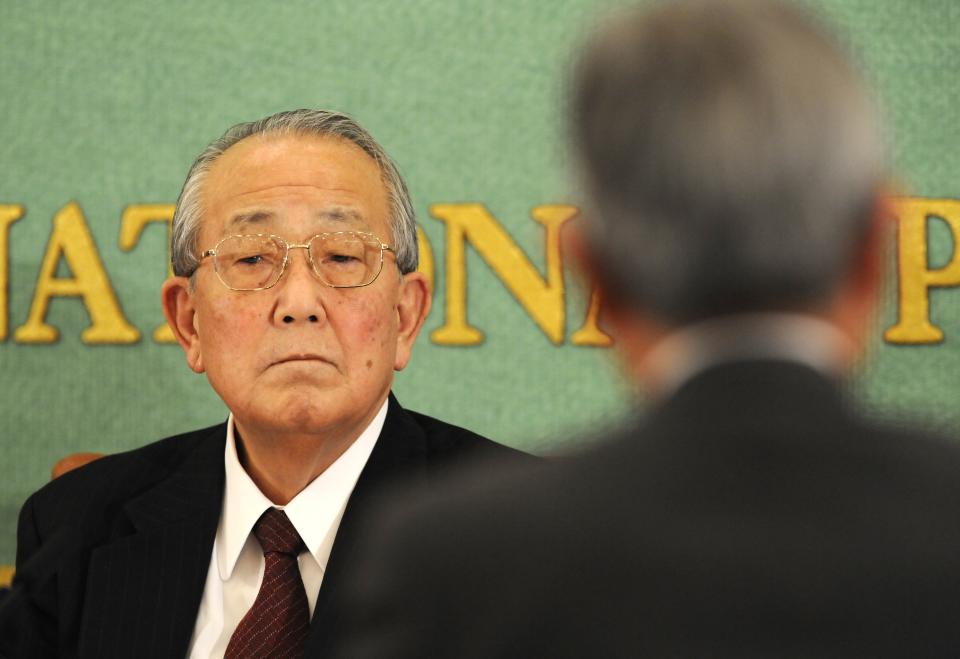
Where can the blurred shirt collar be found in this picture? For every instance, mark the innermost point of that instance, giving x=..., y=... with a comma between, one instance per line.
x=800, y=338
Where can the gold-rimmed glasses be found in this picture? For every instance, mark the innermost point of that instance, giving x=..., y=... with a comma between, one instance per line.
x=255, y=262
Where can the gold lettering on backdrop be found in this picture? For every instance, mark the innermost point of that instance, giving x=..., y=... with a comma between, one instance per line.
x=591, y=334
x=455, y=330
x=9, y=213
x=915, y=278
x=70, y=239
x=133, y=221
x=542, y=298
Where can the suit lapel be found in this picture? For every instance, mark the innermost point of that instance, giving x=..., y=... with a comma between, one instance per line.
x=144, y=588
x=400, y=452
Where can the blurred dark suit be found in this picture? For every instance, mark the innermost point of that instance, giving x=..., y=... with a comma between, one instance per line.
x=753, y=514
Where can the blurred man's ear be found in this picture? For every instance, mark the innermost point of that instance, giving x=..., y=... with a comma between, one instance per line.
x=579, y=253
x=413, y=305
x=575, y=248
x=872, y=260
x=634, y=332
x=176, y=297
x=859, y=296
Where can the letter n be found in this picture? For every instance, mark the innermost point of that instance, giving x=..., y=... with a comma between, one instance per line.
x=541, y=297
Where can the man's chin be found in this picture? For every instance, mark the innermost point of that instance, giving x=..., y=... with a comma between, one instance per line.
x=311, y=410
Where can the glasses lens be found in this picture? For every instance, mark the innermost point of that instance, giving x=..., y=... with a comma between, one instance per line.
x=247, y=263
x=346, y=258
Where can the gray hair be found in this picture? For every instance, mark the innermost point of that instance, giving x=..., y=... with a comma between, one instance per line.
x=323, y=123
x=729, y=153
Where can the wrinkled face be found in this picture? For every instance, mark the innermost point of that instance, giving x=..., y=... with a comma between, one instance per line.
x=300, y=356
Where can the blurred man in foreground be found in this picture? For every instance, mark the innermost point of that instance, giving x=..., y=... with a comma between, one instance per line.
x=734, y=169
x=297, y=294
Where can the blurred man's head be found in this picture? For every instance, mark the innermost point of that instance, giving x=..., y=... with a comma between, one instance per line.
x=732, y=159
x=295, y=290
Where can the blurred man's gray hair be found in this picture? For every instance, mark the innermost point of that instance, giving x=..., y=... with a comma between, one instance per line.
x=730, y=155
x=322, y=123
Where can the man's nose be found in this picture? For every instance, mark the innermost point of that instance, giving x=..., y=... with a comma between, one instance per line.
x=300, y=294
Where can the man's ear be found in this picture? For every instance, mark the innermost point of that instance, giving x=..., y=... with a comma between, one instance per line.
x=176, y=297
x=870, y=266
x=859, y=296
x=634, y=332
x=573, y=245
x=412, y=309
x=577, y=251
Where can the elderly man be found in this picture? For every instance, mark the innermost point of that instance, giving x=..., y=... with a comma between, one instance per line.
x=734, y=168
x=296, y=293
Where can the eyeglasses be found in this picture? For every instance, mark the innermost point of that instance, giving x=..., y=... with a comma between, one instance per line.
x=255, y=262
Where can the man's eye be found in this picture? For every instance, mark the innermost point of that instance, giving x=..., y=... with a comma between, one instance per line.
x=251, y=260
x=341, y=258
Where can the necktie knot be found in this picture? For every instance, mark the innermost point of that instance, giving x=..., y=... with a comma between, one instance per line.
x=276, y=533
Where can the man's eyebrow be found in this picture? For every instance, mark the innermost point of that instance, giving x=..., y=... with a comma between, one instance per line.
x=252, y=217
x=333, y=214
x=338, y=214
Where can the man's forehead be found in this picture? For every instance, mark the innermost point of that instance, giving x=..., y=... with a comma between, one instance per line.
x=332, y=218
x=319, y=183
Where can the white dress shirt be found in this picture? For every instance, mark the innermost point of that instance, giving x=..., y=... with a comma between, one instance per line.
x=236, y=562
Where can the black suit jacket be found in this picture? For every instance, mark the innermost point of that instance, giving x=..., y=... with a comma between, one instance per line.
x=751, y=515
x=112, y=558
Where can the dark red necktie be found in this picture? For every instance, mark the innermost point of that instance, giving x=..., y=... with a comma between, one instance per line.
x=276, y=625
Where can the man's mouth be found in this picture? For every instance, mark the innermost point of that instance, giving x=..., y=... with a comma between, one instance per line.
x=301, y=357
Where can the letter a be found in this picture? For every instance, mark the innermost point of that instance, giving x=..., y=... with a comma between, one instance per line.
x=71, y=240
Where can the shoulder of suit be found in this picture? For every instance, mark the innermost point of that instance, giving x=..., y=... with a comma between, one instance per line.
x=915, y=452
x=445, y=438
x=120, y=476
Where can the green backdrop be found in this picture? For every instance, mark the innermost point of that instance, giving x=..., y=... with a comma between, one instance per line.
x=107, y=103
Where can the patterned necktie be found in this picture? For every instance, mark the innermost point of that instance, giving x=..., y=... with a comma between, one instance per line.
x=276, y=625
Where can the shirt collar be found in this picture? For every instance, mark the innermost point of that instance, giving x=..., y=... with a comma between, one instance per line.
x=792, y=337
x=315, y=512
